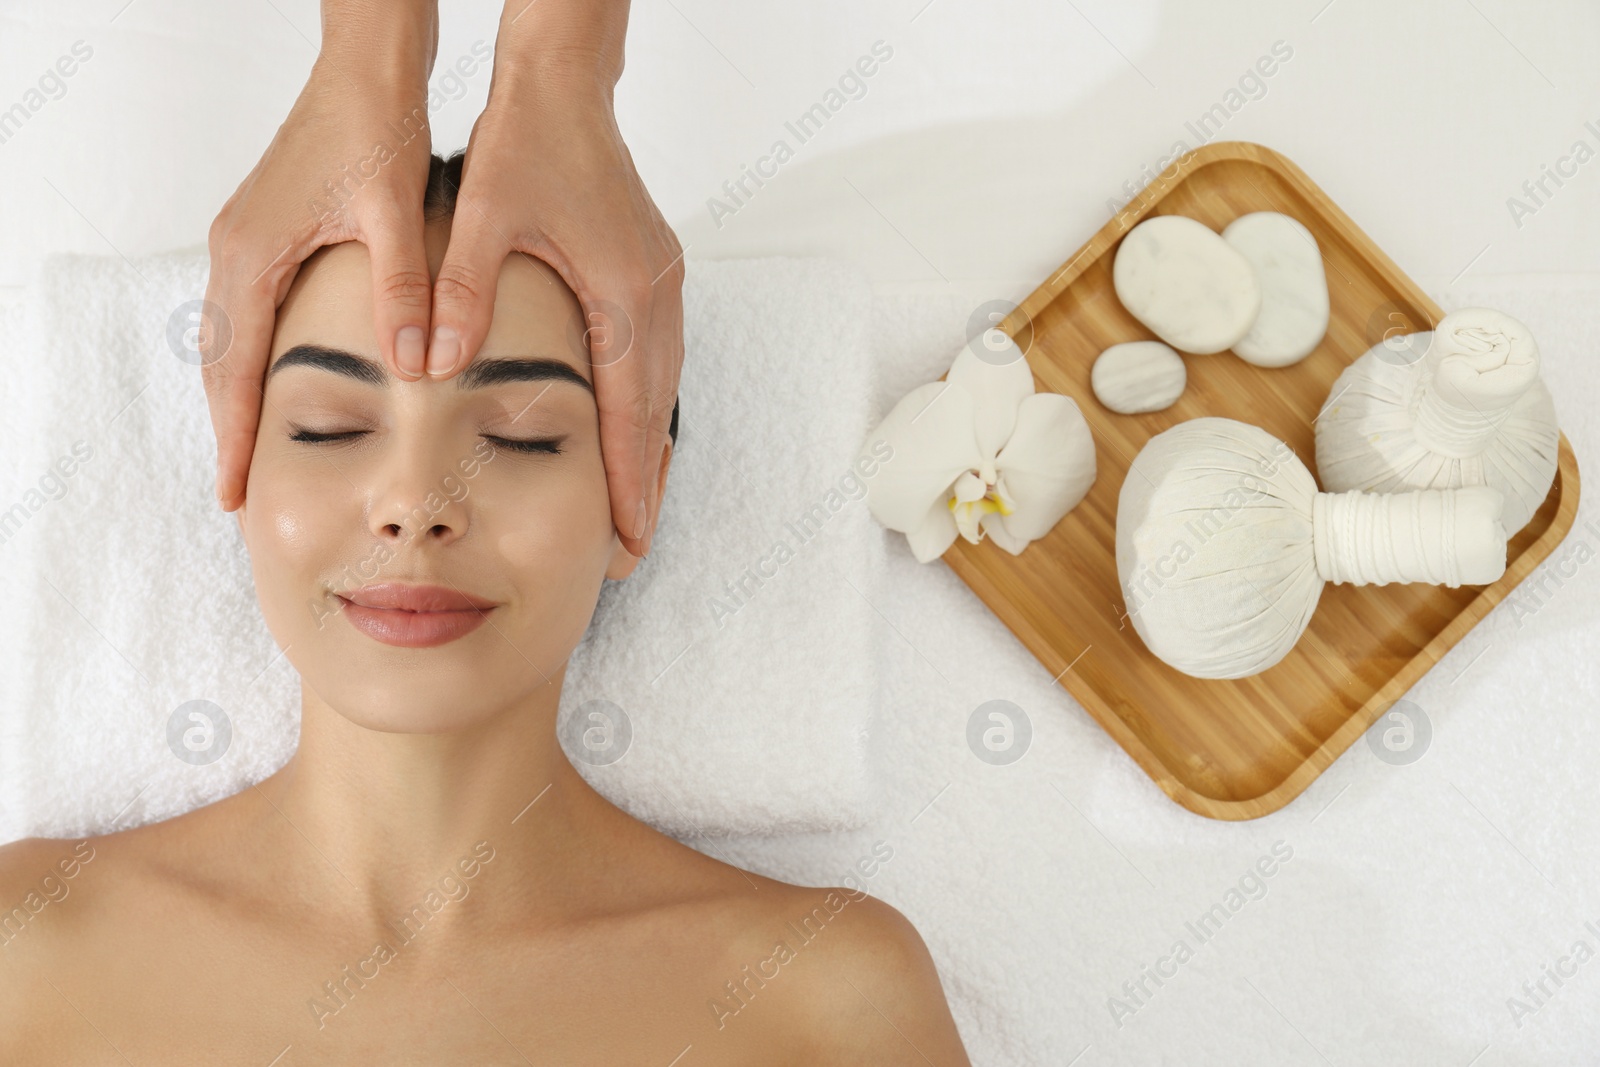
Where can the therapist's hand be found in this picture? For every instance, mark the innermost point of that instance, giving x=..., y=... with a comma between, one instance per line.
x=324, y=180
x=546, y=173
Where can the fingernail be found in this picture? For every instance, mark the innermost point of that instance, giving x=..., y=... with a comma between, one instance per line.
x=409, y=349
x=446, y=350
x=639, y=518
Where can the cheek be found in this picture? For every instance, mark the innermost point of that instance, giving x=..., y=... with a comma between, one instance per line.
x=288, y=526
x=293, y=530
x=291, y=518
x=553, y=535
x=553, y=531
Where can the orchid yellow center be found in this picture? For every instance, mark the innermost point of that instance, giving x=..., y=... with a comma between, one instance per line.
x=973, y=498
x=990, y=501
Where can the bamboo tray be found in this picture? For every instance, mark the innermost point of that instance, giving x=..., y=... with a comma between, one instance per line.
x=1244, y=748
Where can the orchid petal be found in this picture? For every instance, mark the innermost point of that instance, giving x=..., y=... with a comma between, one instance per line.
x=994, y=524
x=1047, y=466
x=967, y=522
x=968, y=487
x=930, y=433
x=973, y=504
x=934, y=536
x=997, y=388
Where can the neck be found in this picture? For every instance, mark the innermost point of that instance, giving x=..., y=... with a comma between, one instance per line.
x=377, y=820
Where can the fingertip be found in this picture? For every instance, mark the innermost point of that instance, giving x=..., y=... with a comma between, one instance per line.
x=402, y=288
x=464, y=294
x=410, y=351
x=227, y=493
x=444, y=354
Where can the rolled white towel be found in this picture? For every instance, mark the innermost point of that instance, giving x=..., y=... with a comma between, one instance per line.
x=126, y=592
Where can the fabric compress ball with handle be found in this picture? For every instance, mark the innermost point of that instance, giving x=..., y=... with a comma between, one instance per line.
x=1224, y=544
x=1471, y=411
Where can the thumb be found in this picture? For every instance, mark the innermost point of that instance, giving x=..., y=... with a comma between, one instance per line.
x=401, y=289
x=463, y=294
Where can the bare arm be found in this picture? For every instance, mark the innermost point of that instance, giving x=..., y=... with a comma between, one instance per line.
x=547, y=174
x=348, y=164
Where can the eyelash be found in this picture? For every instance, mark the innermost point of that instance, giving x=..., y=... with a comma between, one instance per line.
x=546, y=446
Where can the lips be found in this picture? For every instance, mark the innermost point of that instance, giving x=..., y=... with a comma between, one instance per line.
x=414, y=616
x=396, y=596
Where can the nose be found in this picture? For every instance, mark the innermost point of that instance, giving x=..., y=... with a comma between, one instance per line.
x=419, y=498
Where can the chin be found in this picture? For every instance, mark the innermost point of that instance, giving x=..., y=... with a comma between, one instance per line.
x=391, y=702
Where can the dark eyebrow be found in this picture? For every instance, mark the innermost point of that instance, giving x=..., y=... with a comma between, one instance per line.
x=482, y=372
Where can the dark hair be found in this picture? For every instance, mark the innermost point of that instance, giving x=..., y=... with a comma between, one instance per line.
x=439, y=202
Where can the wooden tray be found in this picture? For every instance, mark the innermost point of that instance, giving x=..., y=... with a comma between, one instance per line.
x=1228, y=749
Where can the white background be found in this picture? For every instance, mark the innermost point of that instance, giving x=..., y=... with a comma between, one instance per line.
x=991, y=141
x=983, y=153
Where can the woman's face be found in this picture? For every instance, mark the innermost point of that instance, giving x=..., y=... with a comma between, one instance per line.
x=364, y=486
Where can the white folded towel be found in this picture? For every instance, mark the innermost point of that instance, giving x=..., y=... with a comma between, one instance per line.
x=125, y=591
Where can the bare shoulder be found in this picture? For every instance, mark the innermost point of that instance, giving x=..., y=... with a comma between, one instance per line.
x=810, y=974
x=869, y=990
x=51, y=889
x=55, y=889
x=38, y=876
x=17, y=862
x=34, y=873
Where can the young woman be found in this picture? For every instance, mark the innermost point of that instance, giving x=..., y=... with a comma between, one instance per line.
x=428, y=880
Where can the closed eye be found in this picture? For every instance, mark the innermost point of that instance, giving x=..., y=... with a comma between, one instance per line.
x=312, y=437
x=545, y=445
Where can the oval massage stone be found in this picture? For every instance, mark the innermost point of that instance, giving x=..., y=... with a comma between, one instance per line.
x=1138, y=376
x=1188, y=285
x=1294, y=289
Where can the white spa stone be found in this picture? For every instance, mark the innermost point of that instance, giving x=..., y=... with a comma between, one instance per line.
x=1138, y=376
x=1224, y=544
x=1186, y=284
x=1294, y=289
x=1462, y=405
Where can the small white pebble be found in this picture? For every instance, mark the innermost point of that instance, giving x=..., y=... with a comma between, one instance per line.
x=1138, y=376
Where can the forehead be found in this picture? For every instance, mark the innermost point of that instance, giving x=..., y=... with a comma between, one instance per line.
x=330, y=303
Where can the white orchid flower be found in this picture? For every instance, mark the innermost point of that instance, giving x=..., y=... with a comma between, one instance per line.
x=980, y=453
